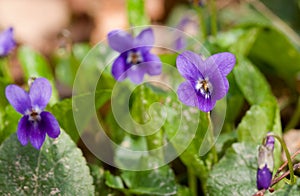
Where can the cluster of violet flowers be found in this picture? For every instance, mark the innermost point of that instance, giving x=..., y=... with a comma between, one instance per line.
x=206, y=80
x=205, y=83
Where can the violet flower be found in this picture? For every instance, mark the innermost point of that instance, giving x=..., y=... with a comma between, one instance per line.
x=135, y=59
x=186, y=24
x=7, y=43
x=265, y=164
x=35, y=122
x=206, y=80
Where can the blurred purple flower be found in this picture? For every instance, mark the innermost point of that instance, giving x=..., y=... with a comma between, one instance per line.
x=7, y=43
x=35, y=122
x=265, y=164
x=186, y=22
x=206, y=80
x=135, y=59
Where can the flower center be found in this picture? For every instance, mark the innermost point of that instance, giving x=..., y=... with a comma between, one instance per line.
x=204, y=87
x=34, y=115
x=134, y=58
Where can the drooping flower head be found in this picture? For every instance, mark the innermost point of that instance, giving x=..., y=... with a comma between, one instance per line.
x=135, y=59
x=265, y=164
x=35, y=122
x=7, y=42
x=206, y=80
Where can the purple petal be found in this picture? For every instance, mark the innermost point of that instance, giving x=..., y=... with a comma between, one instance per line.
x=189, y=65
x=180, y=43
x=270, y=142
x=206, y=105
x=40, y=93
x=7, y=43
x=120, y=40
x=264, y=178
x=49, y=124
x=153, y=64
x=18, y=98
x=187, y=95
x=119, y=68
x=145, y=38
x=225, y=61
x=136, y=73
x=219, y=89
x=24, y=127
x=36, y=136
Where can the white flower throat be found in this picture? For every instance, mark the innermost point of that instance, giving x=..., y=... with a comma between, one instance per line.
x=34, y=114
x=205, y=87
x=134, y=58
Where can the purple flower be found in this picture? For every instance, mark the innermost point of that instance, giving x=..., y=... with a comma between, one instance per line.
x=265, y=164
x=206, y=80
x=135, y=59
x=264, y=178
x=35, y=122
x=186, y=24
x=7, y=43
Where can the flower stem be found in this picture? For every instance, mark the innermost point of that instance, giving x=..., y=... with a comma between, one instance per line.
x=155, y=140
x=212, y=138
x=4, y=69
x=213, y=18
x=192, y=180
x=285, y=163
x=202, y=25
x=288, y=157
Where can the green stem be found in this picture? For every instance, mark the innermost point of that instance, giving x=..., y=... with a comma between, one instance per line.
x=212, y=138
x=213, y=18
x=295, y=119
x=202, y=25
x=4, y=69
x=288, y=157
x=192, y=180
x=155, y=140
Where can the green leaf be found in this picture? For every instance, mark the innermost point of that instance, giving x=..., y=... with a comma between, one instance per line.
x=244, y=43
x=160, y=181
x=279, y=57
x=35, y=65
x=251, y=82
x=101, y=188
x=287, y=190
x=169, y=59
x=67, y=62
x=3, y=101
x=9, y=122
x=64, y=115
x=58, y=168
x=136, y=13
x=254, y=125
x=63, y=111
x=112, y=181
x=235, y=174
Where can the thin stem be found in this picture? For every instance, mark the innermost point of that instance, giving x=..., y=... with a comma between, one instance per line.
x=192, y=180
x=288, y=157
x=212, y=139
x=155, y=140
x=285, y=174
x=295, y=119
x=4, y=69
x=285, y=163
x=202, y=25
x=213, y=18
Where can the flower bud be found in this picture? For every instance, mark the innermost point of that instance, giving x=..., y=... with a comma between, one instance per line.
x=265, y=164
